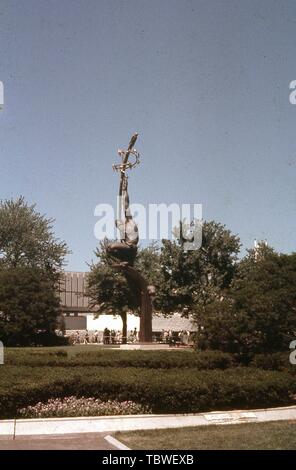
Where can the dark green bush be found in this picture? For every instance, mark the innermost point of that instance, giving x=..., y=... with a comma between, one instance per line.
x=275, y=361
x=165, y=390
x=49, y=339
x=114, y=358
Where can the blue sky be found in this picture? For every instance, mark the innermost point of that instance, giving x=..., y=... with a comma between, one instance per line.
x=204, y=82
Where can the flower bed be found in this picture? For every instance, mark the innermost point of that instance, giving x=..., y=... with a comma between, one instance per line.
x=73, y=406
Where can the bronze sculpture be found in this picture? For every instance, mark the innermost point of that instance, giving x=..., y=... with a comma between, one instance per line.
x=125, y=251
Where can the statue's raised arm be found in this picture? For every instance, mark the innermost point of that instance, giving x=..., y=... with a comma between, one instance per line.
x=126, y=249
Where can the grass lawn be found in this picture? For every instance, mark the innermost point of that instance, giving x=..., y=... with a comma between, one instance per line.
x=275, y=435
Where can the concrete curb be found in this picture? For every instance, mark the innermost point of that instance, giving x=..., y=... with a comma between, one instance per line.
x=30, y=427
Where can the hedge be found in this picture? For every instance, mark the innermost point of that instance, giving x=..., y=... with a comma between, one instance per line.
x=72, y=357
x=165, y=390
x=276, y=361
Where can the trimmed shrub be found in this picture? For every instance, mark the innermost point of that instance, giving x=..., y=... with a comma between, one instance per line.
x=112, y=358
x=275, y=361
x=164, y=391
x=49, y=339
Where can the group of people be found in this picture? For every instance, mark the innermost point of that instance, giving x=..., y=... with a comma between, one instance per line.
x=112, y=336
x=108, y=336
x=172, y=337
x=115, y=337
x=83, y=337
x=133, y=336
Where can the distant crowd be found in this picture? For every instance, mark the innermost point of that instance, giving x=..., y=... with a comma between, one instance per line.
x=115, y=337
x=107, y=337
x=175, y=337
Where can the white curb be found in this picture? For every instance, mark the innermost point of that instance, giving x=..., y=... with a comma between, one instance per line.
x=30, y=427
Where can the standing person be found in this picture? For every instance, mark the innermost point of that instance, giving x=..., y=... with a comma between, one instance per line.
x=113, y=334
x=135, y=334
x=185, y=337
x=131, y=337
x=86, y=337
x=107, y=331
x=96, y=336
x=179, y=338
x=105, y=336
x=165, y=336
x=118, y=337
x=77, y=338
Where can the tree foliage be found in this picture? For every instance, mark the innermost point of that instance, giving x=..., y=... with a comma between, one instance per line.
x=258, y=314
x=184, y=281
x=110, y=291
x=27, y=238
x=108, y=288
x=29, y=306
x=191, y=280
x=31, y=259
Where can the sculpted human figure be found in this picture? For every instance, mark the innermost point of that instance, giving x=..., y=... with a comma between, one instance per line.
x=126, y=249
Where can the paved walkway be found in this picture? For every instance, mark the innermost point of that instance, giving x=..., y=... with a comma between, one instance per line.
x=93, y=441
x=90, y=433
x=107, y=424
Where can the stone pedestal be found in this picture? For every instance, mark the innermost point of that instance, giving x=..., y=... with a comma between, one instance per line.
x=140, y=285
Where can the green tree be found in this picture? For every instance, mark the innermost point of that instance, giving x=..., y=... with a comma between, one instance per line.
x=191, y=280
x=110, y=291
x=258, y=314
x=27, y=238
x=31, y=259
x=29, y=306
x=148, y=262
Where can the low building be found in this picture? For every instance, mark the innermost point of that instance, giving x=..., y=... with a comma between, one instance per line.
x=79, y=314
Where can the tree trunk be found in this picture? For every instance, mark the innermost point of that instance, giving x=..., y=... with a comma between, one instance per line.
x=140, y=286
x=124, y=327
x=145, y=318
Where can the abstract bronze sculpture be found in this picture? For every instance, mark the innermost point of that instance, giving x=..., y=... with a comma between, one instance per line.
x=125, y=251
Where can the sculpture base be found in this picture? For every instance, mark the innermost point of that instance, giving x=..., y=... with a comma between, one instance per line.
x=140, y=285
x=144, y=346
